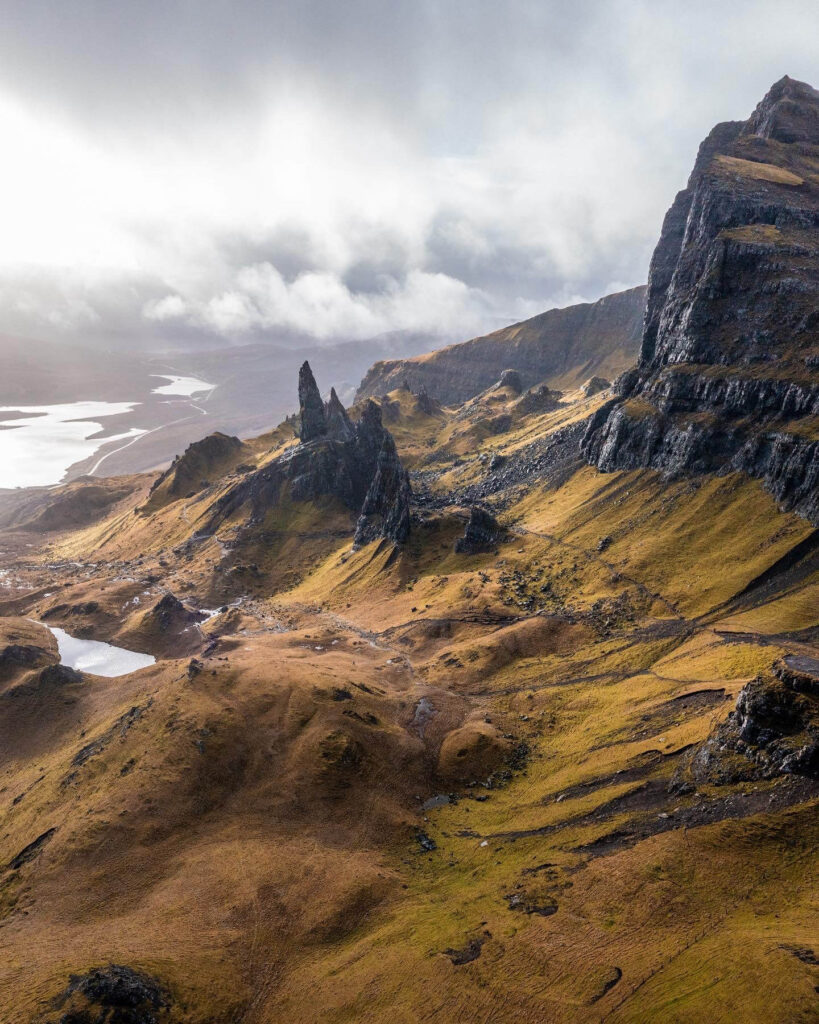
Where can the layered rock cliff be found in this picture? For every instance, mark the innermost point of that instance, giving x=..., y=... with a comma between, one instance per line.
x=561, y=346
x=727, y=376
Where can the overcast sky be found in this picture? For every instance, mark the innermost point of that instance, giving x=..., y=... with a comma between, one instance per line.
x=200, y=169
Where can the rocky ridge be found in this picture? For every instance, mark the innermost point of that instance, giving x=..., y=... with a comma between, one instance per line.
x=726, y=378
x=577, y=341
x=355, y=464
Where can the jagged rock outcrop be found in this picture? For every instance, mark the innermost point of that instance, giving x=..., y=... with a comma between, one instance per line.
x=15, y=658
x=170, y=615
x=356, y=465
x=426, y=405
x=59, y=675
x=312, y=419
x=594, y=385
x=774, y=729
x=386, y=509
x=339, y=424
x=726, y=378
x=511, y=379
x=482, y=532
x=111, y=994
x=200, y=463
x=575, y=342
x=540, y=399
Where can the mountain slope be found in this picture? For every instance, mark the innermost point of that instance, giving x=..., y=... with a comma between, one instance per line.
x=538, y=743
x=562, y=347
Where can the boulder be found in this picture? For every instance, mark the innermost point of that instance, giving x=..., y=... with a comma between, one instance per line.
x=482, y=532
x=511, y=379
x=594, y=385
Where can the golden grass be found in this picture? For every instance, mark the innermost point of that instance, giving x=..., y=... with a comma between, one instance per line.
x=251, y=837
x=759, y=171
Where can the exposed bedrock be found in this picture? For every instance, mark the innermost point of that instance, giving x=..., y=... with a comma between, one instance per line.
x=482, y=532
x=312, y=418
x=112, y=994
x=356, y=464
x=339, y=424
x=727, y=377
x=386, y=509
x=774, y=729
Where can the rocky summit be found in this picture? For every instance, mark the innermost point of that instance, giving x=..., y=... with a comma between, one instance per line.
x=312, y=415
x=492, y=697
x=727, y=372
x=353, y=466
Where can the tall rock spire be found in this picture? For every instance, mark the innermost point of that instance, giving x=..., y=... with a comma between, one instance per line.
x=386, y=509
x=339, y=424
x=311, y=407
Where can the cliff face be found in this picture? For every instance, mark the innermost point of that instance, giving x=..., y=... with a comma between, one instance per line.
x=561, y=345
x=727, y=376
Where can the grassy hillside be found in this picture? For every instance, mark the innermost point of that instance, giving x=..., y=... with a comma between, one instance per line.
x=412, y=784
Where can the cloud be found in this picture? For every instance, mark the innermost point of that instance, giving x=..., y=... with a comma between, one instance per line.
x=170, y=307
x=321, y=306
x=190, y=172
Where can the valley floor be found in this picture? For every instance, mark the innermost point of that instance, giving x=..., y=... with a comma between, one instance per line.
x=412, y=785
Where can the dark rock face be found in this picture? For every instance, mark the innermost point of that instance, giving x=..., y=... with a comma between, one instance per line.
x=30, y=852
x=17, y=656
x=112, y=995
x=788, y=113
x=312, y=420
x=603, y=334
x=59, y=675
x=727, y=363
x=199, y=462
x=482, y=532
x=386, y=509
x=339, y=424
x=511, y=379
x=774, y=729
x=170, y=615
x=354, y=464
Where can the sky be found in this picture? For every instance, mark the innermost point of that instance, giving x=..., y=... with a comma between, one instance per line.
x=202, y=171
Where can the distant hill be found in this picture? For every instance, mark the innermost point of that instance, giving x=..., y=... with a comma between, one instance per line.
x=562, y=347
